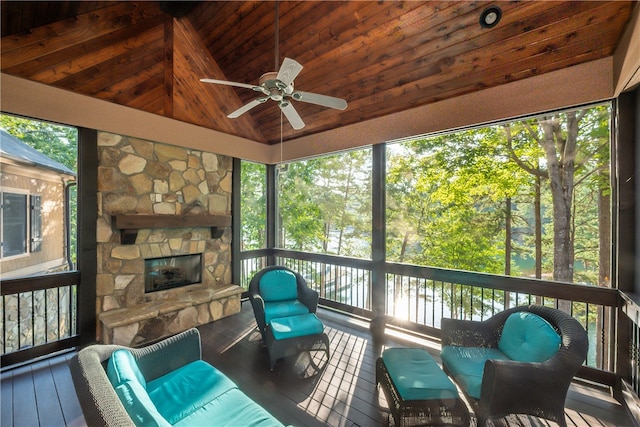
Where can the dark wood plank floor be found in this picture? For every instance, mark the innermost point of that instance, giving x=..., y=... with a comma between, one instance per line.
x=303, y=390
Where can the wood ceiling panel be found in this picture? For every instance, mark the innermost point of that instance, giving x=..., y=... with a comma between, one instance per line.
x=60, y=35
x=382, y=57
x=121, y=67
x=201, y=103
x=18, y=16
x=52, y=68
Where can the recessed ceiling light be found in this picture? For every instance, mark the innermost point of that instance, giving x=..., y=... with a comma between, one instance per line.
x=490, y=17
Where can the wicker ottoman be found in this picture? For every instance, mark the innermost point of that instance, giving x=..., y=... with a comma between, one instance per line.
x=417, y=390
x=291, y=335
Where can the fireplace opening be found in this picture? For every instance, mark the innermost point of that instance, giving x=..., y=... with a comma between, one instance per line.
x=172, y=272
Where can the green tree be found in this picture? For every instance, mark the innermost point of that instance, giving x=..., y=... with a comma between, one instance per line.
x=325, y=204
x=58, y=142
x=253, y=205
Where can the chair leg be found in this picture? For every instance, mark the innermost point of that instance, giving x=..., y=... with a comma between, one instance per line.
x=325, y=340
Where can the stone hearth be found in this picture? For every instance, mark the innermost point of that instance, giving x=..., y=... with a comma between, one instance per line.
x=137, y=177
x=143, y=323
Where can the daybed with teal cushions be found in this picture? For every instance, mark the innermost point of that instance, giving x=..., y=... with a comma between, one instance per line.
x=162, y=384
x=520, y=361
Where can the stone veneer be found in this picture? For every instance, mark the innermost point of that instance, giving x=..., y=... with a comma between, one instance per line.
x=144, y=177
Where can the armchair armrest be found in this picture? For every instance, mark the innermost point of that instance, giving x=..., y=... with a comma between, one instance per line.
x=257, y=302
x=309, y=297
x=468, y=333
x=522, y=388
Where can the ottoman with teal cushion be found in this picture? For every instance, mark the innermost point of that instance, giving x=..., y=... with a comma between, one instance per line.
x=286, y=336
x=417, y=390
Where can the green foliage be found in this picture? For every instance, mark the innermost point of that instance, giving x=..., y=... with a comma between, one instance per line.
x=253, y=205
x=447, y=195
x=325, y=204
x=58, y=142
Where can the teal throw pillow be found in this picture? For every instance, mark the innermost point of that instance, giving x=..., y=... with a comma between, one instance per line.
x=123, y=367
x=527, y=337
x=139, y=406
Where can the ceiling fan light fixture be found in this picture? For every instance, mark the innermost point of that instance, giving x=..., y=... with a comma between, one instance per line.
x=490, y=17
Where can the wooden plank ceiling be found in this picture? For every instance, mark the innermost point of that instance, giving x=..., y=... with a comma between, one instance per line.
x=382, y=57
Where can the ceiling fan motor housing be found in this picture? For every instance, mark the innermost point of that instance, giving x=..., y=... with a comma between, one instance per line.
x=275, y=88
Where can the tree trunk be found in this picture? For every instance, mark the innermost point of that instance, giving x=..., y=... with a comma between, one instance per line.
x=560, y=156
x=537, y=206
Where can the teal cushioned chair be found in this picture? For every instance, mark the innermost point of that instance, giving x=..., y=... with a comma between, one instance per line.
x=520, y=361
x=284, y=308
x=278, y=291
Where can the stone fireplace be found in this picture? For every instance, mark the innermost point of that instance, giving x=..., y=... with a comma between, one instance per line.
x=158, y=201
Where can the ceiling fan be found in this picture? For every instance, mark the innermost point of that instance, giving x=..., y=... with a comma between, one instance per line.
x=278, y=86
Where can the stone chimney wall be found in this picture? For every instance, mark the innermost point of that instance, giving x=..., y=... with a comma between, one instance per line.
x=143, y=177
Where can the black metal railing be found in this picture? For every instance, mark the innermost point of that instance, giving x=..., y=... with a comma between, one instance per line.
x=39, y=315
x=417, y=298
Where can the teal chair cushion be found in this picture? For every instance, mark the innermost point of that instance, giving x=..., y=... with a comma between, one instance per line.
x=278, y=285
x=136, y=401
x=184, y=391
x=416, y=375
x=466, y=365
x=527, y=337
x=276, y=309
x=122, y=367
x=296, y=326
x=232, y=408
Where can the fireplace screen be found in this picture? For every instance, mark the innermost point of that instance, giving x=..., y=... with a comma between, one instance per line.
x=172, y=272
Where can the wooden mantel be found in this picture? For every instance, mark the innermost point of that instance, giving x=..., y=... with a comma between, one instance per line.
x=130, y=224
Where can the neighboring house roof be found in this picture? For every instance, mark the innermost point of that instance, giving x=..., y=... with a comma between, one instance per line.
x=14, y=148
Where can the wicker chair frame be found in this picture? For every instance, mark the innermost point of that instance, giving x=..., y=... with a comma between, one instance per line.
x=291, y=346
x=99, y=402
x=512, y=387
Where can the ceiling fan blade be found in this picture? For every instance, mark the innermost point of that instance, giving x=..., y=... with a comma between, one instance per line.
x=292, y=115
x=224, y=82
x=240, y=111
x=288, y=71
x=323, y=100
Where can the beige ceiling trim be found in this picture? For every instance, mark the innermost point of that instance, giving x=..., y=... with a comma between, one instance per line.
x=581, y=84
x=27, y=98
x=572, y=86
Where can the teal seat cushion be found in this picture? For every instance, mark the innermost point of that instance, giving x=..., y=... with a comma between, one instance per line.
x=416, y=375
x=122, y=367
x=278, y=285
x=232, y=408
x=275, y=309
x=184, y=391
x=527, y=337
x=296, y=326
x=466, y=365
x=135, y=400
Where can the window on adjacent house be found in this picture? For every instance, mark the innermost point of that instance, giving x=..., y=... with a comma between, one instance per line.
x=14, y=224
